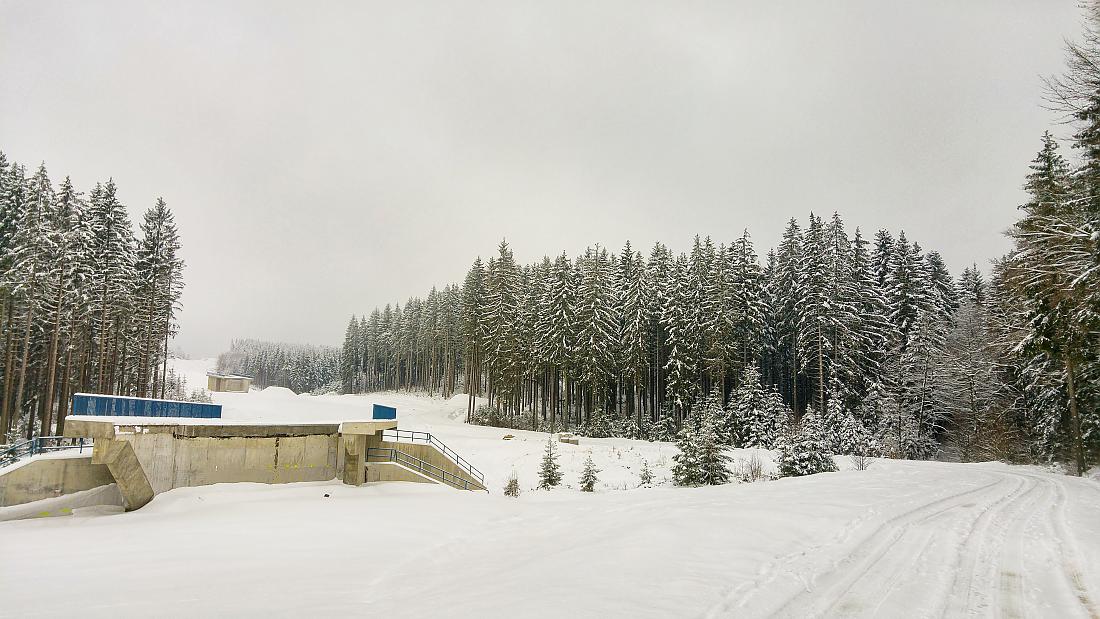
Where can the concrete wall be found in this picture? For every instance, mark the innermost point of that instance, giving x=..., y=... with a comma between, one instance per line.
x=51, y=476
x=104, y=499
x=230, y=384
x=178, y=462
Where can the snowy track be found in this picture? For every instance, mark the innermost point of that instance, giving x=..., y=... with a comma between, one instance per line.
x=1002, y=550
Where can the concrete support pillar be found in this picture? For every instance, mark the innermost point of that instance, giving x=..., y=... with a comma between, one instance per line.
x=124, y=466
x=355, y=459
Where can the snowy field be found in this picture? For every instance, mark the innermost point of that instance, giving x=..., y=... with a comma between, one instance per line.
x=903, y=539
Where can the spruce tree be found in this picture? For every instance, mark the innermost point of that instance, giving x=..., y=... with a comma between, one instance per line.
x=685, y=468
x=645, y=476
x=588, y=475
x=512, y=487
x=749, y=412
x=803, y=453
x=701, y=460
x=550, y=470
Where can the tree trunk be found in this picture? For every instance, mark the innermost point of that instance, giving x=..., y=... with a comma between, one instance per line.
x=23, y=367
x=1074, y=418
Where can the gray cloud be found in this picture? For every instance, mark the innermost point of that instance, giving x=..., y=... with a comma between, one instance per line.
x=349, y=154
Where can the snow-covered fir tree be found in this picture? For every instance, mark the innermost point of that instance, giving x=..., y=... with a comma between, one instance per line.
x=701, y=460
x=589, y=475
x=549, y=469
x=803, y=452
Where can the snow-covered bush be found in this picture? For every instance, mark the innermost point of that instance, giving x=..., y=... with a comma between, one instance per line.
x=749, y=469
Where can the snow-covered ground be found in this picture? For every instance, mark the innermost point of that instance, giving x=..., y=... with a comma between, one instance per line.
x=903, y=539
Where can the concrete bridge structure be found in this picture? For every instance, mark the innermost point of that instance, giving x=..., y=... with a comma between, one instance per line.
x=145, y=457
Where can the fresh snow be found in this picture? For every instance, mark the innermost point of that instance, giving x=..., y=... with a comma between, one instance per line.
x=899, y=540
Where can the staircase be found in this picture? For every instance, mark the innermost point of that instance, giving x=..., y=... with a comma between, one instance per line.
x=396, y=456
x=424, y=438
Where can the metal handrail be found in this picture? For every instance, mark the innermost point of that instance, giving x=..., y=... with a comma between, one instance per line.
x=41, y=444
x=413, y=436
x=388, y=454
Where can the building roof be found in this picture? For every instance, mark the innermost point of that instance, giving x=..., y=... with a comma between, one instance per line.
x=220, y=375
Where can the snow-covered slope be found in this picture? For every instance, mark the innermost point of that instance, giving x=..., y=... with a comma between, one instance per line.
x=900, y=540
x=903, y=539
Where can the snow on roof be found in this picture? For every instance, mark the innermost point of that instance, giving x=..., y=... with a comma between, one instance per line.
x=221, y=375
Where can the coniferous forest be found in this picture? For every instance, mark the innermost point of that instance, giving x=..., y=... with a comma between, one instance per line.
x=865, y=341
x=86, y=302
x=301, y=368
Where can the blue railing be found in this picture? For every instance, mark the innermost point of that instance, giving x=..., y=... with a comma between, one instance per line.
x=376, y=454
x=410, y=436
x=41, y=444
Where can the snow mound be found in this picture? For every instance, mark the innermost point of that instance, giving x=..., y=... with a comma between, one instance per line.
x=281, y=393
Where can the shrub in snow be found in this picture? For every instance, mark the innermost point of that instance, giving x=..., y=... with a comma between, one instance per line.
x=803, y=452
x=512, y=487
x=550, y=470
x=701, y=461
x=750, y=470
x=645, y=476
x=588, y=475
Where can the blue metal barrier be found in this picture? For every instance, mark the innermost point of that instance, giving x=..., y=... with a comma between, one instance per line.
x=122, y=406
x=384, y=412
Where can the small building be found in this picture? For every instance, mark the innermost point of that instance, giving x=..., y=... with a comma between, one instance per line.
x=234, y=383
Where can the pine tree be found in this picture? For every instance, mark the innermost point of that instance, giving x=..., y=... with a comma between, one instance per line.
x=712, y=459
x=677, y=318
x=645, y=476
x=701, y=460
x=550, y=470
x=752, y=428
x=512, y=487
x=588, y=475
x=1051, y=275
x=804, y=453
x=685, y=468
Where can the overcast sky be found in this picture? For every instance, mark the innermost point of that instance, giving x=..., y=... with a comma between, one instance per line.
x=324, y=158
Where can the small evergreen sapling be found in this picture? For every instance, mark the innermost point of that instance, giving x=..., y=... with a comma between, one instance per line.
x=588, y=475
x=512, y=487
x=645, y=476
x=550, y=471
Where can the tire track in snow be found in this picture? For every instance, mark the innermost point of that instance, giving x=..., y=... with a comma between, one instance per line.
x=844, y=574
x=1004, y=537
x=976, y=577
x=1067, y=548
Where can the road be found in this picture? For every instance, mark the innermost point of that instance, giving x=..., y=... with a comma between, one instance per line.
x=1002, y=549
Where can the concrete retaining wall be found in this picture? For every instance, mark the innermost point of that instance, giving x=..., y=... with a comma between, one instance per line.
x=178, y=462
x=50, y=476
